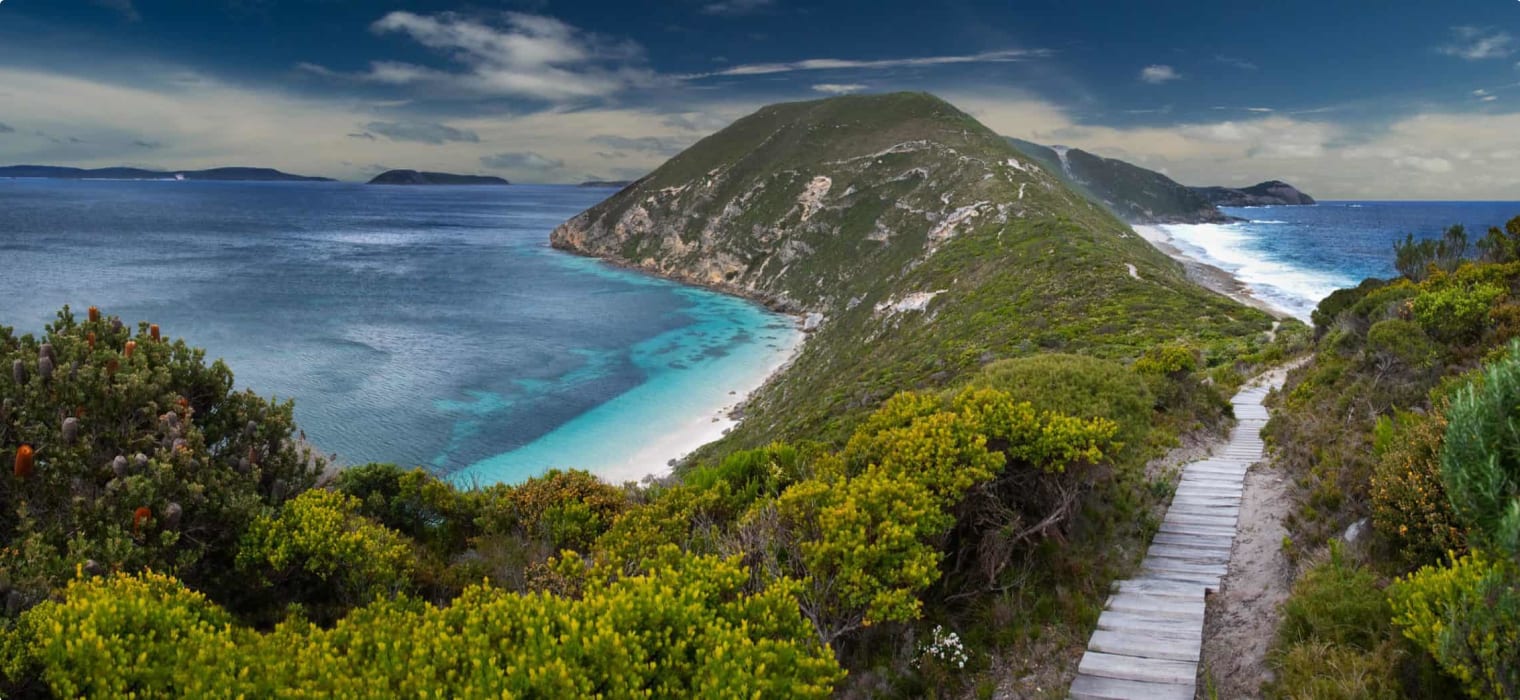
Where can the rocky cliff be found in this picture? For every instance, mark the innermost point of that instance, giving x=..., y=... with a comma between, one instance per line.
x=1133, y=193
x=1269, y=193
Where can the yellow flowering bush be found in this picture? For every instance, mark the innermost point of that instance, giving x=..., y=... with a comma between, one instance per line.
x=320, y=552
x=1467, y=615
x=685, y=629
x=1409, y=502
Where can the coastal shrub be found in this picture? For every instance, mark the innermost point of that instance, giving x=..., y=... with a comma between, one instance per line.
x=114, y=636
x=1456, y=312
x=1398, y=345
x=414, y=503
x=1081, y=387
x=319, y=552
x=1336, y=602
x=565, y=509
x=1414, y=259
x=754, y=474
x=863, y=548
x=150, y=637
x=1340, y=300
x=687, y=517
x=1168, y=359
x=1409, y=503
x=1501, y=245
x=138, y=454
x=1467, y=616
x=1480, y=459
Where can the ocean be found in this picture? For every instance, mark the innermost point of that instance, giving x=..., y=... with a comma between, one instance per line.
x=1292, y=257
x=421, y=326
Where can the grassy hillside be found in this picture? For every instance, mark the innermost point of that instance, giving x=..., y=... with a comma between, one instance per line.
x=926, y=245
x=1133, y=193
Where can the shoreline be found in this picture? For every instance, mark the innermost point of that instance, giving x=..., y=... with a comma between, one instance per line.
x=1208, y=276
x=658, y=458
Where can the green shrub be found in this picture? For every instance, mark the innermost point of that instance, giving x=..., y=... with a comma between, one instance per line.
x=1456, y=312
x=1396, y=343
x=1336, y=602
x=1078, y=386
x=1480, y=460
x=1467, y=616
x=1339, y=301
x=1409, y=502
x=615, y=640
x=320, y=552
x=1168, y=359
x=414, y=503
x=566, y=509
x=113, y=636
x=142, y=456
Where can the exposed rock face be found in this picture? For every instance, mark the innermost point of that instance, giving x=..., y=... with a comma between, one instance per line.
x=1269, y=193
x=1133, y=193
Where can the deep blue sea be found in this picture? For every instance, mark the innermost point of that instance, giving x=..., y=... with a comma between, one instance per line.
x=423, y=326
x=1292, y=257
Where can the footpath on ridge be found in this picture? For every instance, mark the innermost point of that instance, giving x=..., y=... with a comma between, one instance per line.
x=1150, y=635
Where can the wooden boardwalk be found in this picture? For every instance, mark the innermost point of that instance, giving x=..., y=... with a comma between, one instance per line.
x=1150, y=634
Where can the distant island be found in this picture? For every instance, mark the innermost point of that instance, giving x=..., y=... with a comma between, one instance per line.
x=414, y=177
x=54, y=172
x=1266, y=194
x=607, y=183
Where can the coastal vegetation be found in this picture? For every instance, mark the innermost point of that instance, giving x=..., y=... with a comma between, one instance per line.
x=934, y=496
x=1404, y=419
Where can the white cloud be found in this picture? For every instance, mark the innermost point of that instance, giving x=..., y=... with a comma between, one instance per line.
x=1157, y=74
x=525, y=55
x=838, y=88
x=422, y=132
x=736, y=7
x=1478, y=43
x=522, y=160
x=877, y=64
x=1423, y=156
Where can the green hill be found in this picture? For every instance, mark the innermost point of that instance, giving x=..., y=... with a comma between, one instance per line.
x=920, y=244
x=1133, y=193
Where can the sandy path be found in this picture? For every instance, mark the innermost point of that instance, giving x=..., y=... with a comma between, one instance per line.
x=1241, y=620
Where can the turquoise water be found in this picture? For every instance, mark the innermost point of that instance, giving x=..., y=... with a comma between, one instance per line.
x=423, y=326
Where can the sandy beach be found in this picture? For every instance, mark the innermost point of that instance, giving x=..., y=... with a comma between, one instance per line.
x=656, y=457
x=1206, y=275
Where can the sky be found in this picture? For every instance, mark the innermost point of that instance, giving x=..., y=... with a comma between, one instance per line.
x=1348, y=100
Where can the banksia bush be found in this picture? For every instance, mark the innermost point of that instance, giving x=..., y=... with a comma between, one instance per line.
x=94, y=315
x=103, y=461
x=153, y=331
x=129, y=349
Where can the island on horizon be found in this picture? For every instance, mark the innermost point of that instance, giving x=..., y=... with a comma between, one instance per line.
x=227, y=174
x=416, y=177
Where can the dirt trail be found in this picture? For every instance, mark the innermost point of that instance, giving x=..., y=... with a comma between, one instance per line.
x=1241, y=619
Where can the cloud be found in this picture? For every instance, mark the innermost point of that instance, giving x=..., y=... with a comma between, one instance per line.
x=838, y=88
x=1478, y=43
x=732, y=8
x=6, y=128
x=523, y=55
x=1419, y=156
x=125, y=7
x=1158, y=74
x=422, y=132
x=525, y=160
x=149, y=145
x=647, y=144
x=1236, y=62
x=878, y=64
x=365, y=135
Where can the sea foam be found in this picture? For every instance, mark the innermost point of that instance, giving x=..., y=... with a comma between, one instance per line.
x=1238, y=249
